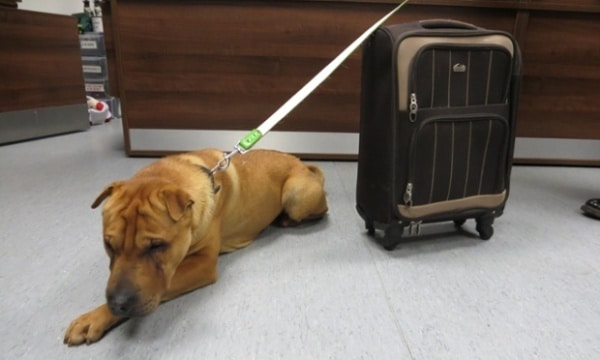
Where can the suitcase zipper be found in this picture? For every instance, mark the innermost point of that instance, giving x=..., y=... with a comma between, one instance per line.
x=408, y=194
x=414, y=107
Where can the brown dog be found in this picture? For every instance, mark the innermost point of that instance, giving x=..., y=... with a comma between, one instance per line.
x=165, y=227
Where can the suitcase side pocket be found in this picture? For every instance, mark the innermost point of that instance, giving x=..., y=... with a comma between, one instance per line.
x=456, y=163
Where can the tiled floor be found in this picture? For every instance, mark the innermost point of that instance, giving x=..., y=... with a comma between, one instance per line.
x=324, y=291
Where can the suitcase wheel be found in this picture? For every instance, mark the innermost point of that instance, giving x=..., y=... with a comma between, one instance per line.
x=392, y=236
x=370, y=228
x=484, y=226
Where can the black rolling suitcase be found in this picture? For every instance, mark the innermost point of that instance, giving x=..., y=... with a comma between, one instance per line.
x=437, y=126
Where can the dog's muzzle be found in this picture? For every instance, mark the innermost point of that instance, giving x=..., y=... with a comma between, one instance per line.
x=123, y=302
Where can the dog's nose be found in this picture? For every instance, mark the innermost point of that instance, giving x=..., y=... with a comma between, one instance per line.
x=122, y=303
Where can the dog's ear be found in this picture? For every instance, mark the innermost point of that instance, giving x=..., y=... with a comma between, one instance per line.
x=177, y=202
x=104, y=194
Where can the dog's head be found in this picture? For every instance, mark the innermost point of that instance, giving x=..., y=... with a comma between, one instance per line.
x=147, y=227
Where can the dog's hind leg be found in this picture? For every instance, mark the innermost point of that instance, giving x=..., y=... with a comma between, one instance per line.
x=303, y=197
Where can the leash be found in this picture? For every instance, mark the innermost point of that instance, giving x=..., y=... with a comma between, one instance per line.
x=248, y=141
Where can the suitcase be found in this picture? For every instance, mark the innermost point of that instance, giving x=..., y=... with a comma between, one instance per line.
x=437, y=126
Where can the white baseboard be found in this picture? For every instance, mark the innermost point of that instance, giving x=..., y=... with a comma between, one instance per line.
x=336, y=144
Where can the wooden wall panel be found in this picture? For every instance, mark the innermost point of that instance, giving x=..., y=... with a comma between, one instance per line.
x=40, y=65
x=561, y=56
x=571, y=5
x=246, y=60
x=111, y=55
x=215, y=65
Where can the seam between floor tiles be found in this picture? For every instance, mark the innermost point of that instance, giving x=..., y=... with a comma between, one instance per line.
x=381, y=283
x=388, y=301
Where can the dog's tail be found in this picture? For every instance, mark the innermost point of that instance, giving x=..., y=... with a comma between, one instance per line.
x=317, y=172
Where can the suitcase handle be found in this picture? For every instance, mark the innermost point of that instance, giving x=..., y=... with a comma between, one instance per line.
x=446, y=24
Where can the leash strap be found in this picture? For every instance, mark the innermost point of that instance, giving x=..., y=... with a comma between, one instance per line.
x=248, y=141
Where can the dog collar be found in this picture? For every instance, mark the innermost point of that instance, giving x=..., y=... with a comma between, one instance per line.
x=211, y=176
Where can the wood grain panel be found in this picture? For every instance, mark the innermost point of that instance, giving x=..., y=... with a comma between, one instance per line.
x=40, y=65
x=590, y=6
x=561, y=56
x=247, y=58
x=190, y=64
x=111, y=55
x=571, y=5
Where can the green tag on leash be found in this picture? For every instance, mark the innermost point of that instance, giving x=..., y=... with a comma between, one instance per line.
x=250, y=139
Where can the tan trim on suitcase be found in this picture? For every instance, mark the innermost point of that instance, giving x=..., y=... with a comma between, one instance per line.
x=410, y=46
x=471, y=202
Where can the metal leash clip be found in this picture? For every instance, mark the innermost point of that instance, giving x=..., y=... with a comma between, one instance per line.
x=223, y=164
x=241, y=147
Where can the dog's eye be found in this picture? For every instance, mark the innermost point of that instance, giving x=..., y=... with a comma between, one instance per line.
x=157, y=245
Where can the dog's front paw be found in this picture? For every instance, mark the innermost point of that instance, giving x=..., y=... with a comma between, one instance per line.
x=90, y=326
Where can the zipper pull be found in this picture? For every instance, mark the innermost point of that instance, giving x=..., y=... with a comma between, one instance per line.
x=408, y=194
x=414, y=107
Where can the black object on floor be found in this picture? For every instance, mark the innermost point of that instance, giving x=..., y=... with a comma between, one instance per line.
x=592, y=208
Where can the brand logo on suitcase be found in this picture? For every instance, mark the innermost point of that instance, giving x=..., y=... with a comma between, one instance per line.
x=459, y=68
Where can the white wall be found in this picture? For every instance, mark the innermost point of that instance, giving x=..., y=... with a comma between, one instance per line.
x=65, y=7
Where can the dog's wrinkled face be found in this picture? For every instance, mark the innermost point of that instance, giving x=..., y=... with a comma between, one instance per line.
x=147, y=233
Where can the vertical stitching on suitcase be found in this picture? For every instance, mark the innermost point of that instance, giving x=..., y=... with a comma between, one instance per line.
x=434, y=161
x=449, y=74
x=468, y=158
x=432, y=77
x=468, y=76
x=489, y=77
x=487, y=143
x=451, y=165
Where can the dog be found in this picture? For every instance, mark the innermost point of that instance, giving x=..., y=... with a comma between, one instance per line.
x=165, y=227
